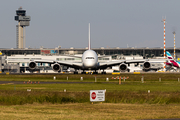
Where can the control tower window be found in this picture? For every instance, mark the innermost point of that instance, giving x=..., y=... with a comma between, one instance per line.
x=89, y=57
x=21, y=12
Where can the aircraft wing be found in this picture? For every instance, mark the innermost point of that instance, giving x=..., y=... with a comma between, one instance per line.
x=102, y=56
x=73, y=56
x=65, y=63
x=104, y=65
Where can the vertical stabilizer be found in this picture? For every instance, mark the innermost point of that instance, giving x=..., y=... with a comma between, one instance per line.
x=89, y=47
x=169, y=56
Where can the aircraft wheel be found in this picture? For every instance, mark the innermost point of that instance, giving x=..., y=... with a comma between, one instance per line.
x=103, y=73
x=75, y=72
x=83, y=72
x=95, y=72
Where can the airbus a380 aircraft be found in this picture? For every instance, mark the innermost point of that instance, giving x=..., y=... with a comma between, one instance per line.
x=90, y=62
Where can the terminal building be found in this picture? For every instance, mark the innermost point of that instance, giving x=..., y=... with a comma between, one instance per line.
x=144, y=52
x=22, y=57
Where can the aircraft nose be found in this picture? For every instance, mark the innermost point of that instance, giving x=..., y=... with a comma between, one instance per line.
x=89, y=64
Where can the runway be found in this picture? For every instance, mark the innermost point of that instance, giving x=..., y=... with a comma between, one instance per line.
x=33, y=82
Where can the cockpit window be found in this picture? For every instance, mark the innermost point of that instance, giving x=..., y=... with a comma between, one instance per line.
x=89, y=57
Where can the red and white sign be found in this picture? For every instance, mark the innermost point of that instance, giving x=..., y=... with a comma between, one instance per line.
x=97, y=95
x=93, y=95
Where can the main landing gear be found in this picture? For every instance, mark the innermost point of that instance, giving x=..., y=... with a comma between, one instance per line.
x=83, y=72
x=103, y=72
x=75, y=72
x=95, y=72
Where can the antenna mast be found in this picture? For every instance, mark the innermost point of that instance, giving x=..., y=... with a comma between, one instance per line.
x=89, y=47
x=164, y=20
x=174, y=45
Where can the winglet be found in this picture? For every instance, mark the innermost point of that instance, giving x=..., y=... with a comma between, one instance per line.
x=89, y=47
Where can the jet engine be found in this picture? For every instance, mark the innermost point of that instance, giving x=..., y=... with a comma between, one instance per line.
x=146, y=65
x=56, y=67
x=32, y=65
x=122, y=67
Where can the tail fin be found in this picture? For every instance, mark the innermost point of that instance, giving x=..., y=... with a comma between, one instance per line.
x=89, y=46
x=171, y=61
x=169, y=56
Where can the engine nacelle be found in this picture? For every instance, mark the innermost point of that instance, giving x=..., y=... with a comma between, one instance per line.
x=32, y=65
x=56, y=67
x=146, y=65
x=122, y=67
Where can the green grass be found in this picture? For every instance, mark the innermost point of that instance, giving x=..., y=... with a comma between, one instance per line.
x=127, y=92
x=87, y=77
x=164, y=86
x=131, y=91
x=130, y=100
x=140, y=97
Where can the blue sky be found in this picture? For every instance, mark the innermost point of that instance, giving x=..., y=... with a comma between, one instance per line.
x=114, y=23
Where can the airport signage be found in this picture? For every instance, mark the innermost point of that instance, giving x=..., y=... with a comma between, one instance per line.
x=97, y=95
x=49, y=51
x=54, y=51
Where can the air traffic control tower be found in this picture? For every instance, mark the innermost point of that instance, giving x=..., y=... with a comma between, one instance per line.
x=23, y=21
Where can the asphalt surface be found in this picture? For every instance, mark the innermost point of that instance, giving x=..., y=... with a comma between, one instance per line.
x=33, y=82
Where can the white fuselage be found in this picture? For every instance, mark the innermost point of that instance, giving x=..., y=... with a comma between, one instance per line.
x=89, y=60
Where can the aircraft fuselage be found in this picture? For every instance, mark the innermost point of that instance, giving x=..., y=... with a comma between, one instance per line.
x=89, y=60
